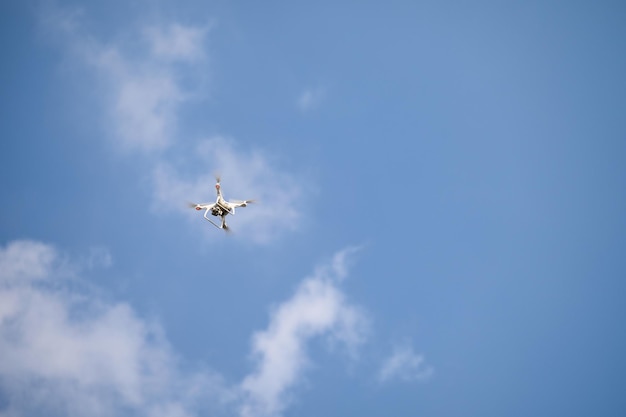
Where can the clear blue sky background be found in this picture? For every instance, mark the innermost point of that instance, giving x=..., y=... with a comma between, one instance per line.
x=475, y=152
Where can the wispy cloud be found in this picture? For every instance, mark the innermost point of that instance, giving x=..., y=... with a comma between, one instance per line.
x=405, y=365
x=311, y=98
x=245, y=175
x=70, y=353
x=25, y=261
x=142, y=75
x=318, y=308
x=144, y=111
x=99, y=257
x=177, y=42
x=147, y=81
x=146, y=91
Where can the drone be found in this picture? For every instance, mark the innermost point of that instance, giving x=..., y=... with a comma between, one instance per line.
x=221, y=207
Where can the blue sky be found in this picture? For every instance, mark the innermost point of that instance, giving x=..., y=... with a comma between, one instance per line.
x=439, y=231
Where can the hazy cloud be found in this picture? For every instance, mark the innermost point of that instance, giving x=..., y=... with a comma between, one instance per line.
x=72, y=354
x=99, y=257
x=310, y=98
x=405, y=365
x=177, y=42
x=145, y=88
x=318, y=308
x=69, y=352
x=25, y=261
x=145, y=111
x=145, y=91
x=142, y=75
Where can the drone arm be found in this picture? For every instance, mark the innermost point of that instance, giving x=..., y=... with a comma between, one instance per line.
x=238, y=203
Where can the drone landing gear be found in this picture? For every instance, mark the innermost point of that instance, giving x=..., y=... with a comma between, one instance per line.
x=222, y=226
x=214, y=224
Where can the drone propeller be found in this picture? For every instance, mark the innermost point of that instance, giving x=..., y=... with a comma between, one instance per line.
x=196, y=206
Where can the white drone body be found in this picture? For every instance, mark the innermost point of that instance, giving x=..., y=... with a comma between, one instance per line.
x=221, y=207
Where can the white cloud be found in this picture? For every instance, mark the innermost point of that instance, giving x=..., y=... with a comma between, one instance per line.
x=144, y=93
x=145, y=111
x=404, y=364
x=318, y=308
x=245, y=175
x=177, y=42
x=25, y=261
x=98, y=257
x=143, y=78
x=147, y=89
x=311, y=98
x=68, y=353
